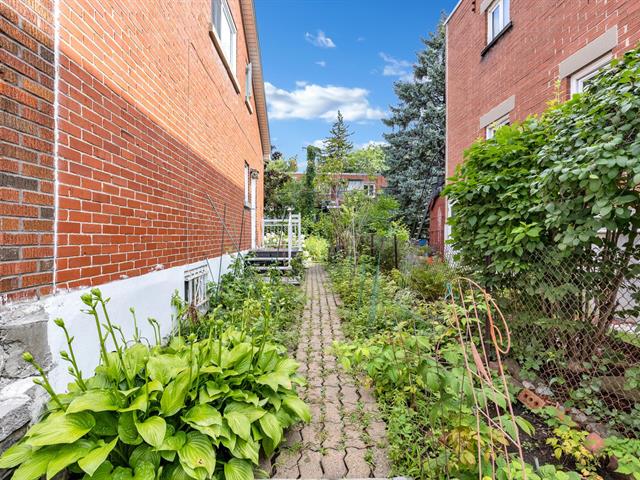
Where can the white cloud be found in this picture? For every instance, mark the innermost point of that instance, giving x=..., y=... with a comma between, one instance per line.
x=301, y=83
x=319, y=40
x=396, y=68
x=316, y=143
x=360, y=39
x=311, y=101
x=372, y=143
x=322, y=63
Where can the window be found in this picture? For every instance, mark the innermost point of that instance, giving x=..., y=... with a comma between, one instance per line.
x=370, y=189
x=247, y=173
x=195, y=286
x=497, y=18
x=581, y=78
x=249, y=82
x=354, y=184
x=225, y=30
x=491, y=129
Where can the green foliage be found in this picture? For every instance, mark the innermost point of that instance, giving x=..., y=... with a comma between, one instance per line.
x=280, y=190
x=430, y=280
x=335, y=155
x=245, y=301
x=407, y=345
x=567, y=441
x=317, y=248
x=627, y=455
x=565, y=183
x=190, y=409
x=370, y=160
x=415, y=155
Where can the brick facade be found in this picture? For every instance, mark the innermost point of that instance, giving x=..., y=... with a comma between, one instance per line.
x=520, y=73
x=26, y=152
x=150, y=125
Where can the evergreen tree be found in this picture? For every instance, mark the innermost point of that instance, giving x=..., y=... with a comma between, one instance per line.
x=335, y=155
x=309, y=195
x=415, y=155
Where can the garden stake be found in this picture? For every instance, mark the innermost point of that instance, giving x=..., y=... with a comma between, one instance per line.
x=224, y=217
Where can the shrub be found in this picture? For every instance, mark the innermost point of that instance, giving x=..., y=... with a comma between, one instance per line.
x=191, y=409
x=317, y=248
x=430, y=280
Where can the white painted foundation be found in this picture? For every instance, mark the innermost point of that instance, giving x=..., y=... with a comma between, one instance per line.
x=149, y=294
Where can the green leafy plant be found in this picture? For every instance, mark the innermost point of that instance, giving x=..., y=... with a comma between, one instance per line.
x=569, y=442
x=190, y=409
x=626, y=452
x=317, y=248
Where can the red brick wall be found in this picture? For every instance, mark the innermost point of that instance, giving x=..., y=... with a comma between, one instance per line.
x=524, y=62
x=26, y=148
x=149, y=125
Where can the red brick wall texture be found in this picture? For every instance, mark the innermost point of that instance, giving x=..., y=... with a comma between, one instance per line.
x=524, y=62
x=149, y=124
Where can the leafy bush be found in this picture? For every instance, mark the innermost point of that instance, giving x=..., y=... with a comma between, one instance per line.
x=246, y=302
x=317, y=248
x=191, y=409
x=430, y=280
x=565, y=182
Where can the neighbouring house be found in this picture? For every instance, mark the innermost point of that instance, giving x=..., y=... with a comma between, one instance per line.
x=506, y=59
x=372, y=185
x=133, y=142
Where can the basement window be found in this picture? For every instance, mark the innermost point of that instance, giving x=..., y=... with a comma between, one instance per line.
x=195, y=286
x=497, y=19
x=580, y=80
x=491, y=129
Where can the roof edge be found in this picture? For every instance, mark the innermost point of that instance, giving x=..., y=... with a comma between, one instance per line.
x=453, y=11
x=247, y=8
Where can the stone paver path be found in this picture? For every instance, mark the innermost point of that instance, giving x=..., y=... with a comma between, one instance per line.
x=346, y=437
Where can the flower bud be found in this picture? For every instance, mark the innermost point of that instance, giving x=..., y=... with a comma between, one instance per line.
x=59, y=322
x=87, y=299
x=96, y=292
x=27, y=357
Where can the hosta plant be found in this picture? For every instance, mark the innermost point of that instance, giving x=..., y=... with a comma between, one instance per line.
x=193, y=409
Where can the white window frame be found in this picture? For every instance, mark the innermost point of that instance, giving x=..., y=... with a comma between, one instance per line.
x=249, y=82
x=220, y=12
x=490, y=130
x=583, y=75
x=195, y=286
x=247, y=174
x=503, y=18
x=370, y=189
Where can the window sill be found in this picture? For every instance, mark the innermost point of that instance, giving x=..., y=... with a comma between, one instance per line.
x=247, y=102
x=495, y=40
x=227, y=66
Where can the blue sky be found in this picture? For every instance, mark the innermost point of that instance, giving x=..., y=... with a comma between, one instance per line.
x=321, y=55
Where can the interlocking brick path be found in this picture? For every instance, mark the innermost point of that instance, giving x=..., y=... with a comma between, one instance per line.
x=346, y=437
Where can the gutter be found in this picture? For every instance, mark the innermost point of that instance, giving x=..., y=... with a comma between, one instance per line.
x=247, y=8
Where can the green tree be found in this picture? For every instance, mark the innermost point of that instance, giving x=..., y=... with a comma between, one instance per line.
x=278, y=191
x=335, y=155
x=561, y=188
x=308, y=204
x=415, y=155
x=370, y=160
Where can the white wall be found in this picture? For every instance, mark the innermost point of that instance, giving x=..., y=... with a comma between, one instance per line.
x=149, y=294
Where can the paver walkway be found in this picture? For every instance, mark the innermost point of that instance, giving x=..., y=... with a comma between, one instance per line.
x=346, y=437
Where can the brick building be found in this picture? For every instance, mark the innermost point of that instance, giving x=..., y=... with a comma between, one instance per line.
x=507, y=58
x=122, y=122
x=372, y=185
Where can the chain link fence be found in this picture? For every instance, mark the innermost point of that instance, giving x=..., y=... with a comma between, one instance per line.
x=575, y=329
